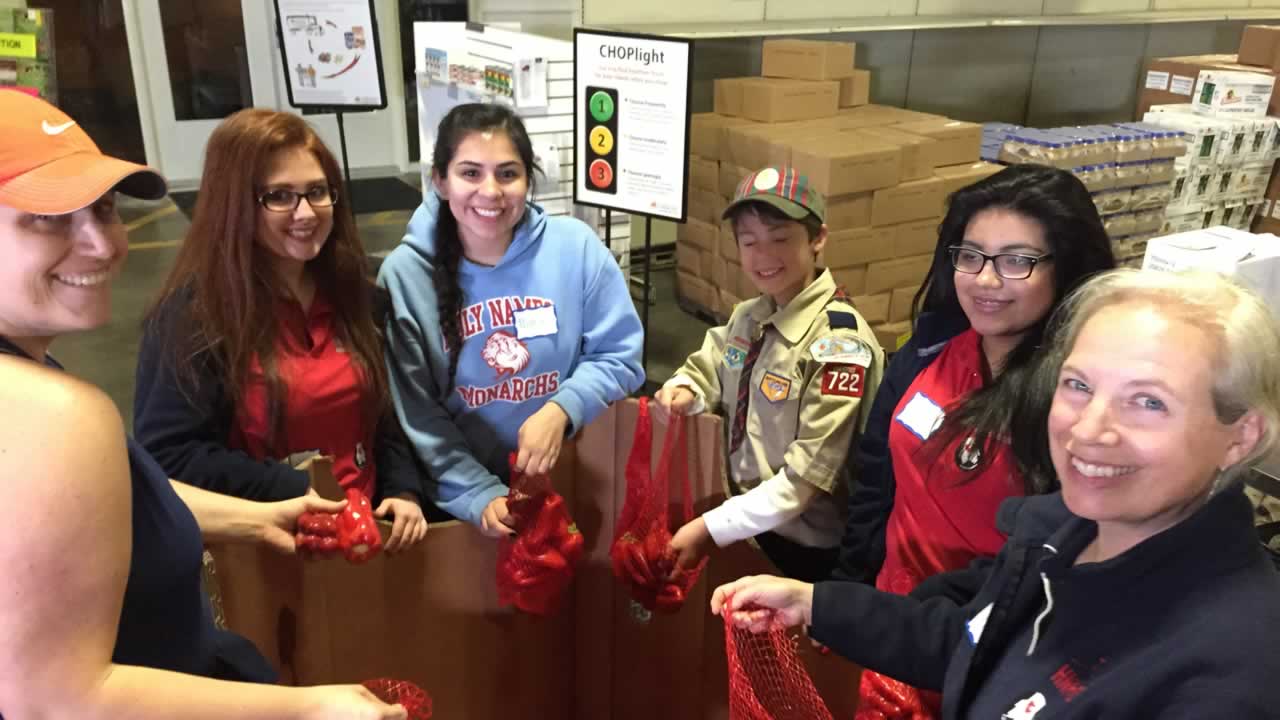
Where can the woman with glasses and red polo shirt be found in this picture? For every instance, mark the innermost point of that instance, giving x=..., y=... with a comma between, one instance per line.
x=264, y=347
x=934, y=462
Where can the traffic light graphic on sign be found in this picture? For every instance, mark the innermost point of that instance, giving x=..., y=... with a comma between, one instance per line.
x=601, y=157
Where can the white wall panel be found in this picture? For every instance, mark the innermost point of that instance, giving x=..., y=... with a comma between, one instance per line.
x=979, y=7
x=972, y=74
x=1073, y=7
x=1071, y=87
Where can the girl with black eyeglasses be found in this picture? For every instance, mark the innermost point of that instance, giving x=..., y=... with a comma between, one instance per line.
x=935, y=460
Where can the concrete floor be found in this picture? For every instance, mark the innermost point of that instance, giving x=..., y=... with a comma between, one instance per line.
x=107, y=356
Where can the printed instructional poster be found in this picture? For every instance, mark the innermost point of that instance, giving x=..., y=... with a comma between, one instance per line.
x=26, y=52
x=331, y=54
x=631, y=122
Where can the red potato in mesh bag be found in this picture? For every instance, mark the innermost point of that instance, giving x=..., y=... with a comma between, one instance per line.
x=415, y=701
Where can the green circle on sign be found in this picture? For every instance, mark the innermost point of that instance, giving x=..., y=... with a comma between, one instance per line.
x=601, y=106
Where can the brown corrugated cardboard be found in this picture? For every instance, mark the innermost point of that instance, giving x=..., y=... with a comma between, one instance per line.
x=694, y=260
x=694, y=289
x=847, y=248
x=766, y=145
x=917, y=236
x=874, y=115
x=909, y=201
x=846, y=212
x=900, y=304
x=961, y=142
x=1172, y=80
x=955, y=177
x=705, y=130
x=698, y=233
x=717, y=272
x=728, y=96
x=728, y=243
x=706, y=206
x=852, y=279
x=899, y=272
x=852, y=164
x=855, y=90
x=873, y=308
x=704, y=174
x=1258, y=46
x=730, y=176
x=775, y=101
x=807, y=59
x=892, y=336
x=920, y=154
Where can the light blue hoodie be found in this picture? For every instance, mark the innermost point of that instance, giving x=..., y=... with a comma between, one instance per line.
x=591, y=359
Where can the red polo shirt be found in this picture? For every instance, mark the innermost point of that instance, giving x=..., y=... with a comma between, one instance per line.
x=323, y=400
x=937, y=523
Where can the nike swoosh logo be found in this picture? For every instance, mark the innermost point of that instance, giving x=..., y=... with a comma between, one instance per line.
x=56, y=129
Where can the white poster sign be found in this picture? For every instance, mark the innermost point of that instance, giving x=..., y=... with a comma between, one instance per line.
x=331, y=54
x=631, y=122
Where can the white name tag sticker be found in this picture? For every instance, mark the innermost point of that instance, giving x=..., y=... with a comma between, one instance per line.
x=535, y=322
x=921, y=416
x=978, y=623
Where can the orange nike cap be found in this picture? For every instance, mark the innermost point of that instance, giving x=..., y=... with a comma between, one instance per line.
x=49, y=166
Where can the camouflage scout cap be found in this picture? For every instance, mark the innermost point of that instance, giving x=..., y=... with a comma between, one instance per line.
x=783, y=188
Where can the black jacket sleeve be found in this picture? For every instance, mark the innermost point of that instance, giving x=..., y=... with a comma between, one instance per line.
x=398, y=470
x=188, y=437
x=862, y=549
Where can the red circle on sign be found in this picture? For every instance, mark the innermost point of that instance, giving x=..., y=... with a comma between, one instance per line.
x=601, y=173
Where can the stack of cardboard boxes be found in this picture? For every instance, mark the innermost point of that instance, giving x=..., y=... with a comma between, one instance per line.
x=886, y=173
x=1226, y=103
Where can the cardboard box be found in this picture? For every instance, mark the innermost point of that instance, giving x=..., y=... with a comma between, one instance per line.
x=694, y=290
x=855, y=90
x=727, y=95
x=1173, y=79
x=706, y=206
x=900, y=272
x=1253, y=260
x=913, y=200
x=694, y=260
x=877, y=115
x=717, y=272
x=730, y=176
x=873, y=308
x=849, y=165
x=954, y=177
x=917, y=236
x=705, y=130
x=704, y=174
x=900, y=303
x=697, y=233
x=920, y=154
x=852, y=279
x=960, y=141
x=807, y=59
x=1258, y=46
x=775, y=101
x=863, y=246
x=728, y=243
x=846, y=212
x=1231, y=93
x=765, y=145
x=893, y=336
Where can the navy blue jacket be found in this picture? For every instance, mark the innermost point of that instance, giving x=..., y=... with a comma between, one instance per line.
x=1183, y=625
x=189, y=438
x=871, y=492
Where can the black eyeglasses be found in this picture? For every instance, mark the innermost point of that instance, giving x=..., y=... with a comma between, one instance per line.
x=1010, y=266
x=282, y=200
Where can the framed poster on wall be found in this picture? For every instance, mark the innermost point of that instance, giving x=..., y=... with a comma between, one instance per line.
x=331, y=54
x=631, y=122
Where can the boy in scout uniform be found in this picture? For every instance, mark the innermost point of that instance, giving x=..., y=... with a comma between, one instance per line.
x=793, y=372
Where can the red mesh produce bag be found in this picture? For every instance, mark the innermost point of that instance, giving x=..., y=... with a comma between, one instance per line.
x=536, y=566
x=640, y=554
x=766, y=679
x=412, y=698
x=880, y=697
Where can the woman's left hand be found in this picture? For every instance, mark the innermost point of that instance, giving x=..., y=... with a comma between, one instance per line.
x=280, y=519
x=409, y=526
x=540, y=439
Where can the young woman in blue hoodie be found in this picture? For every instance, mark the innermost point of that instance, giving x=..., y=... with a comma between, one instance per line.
x=510, y=330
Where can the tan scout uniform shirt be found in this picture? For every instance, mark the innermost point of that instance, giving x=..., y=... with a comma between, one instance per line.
x=811, y=385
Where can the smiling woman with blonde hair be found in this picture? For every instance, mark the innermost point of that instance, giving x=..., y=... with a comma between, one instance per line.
x=1139, y=590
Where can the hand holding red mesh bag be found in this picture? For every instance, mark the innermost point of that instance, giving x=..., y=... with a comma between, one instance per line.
x=415, y=701
x=536, y=566
x=766, y=679
x=880, y=697
x=641, y=555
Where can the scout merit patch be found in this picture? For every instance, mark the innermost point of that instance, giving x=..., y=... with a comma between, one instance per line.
x=843, y=380
x=735, y=353
x=775, y=387
x=841, y=350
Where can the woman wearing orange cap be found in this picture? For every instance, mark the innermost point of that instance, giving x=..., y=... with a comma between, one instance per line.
x=103, y=615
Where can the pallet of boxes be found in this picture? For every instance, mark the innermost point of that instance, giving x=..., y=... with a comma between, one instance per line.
x=1227, y=106
x=886, y=173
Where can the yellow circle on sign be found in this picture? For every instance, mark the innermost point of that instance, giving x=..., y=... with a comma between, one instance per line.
x=601, y=140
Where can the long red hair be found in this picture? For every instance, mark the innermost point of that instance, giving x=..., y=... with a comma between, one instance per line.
x=226, y=276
